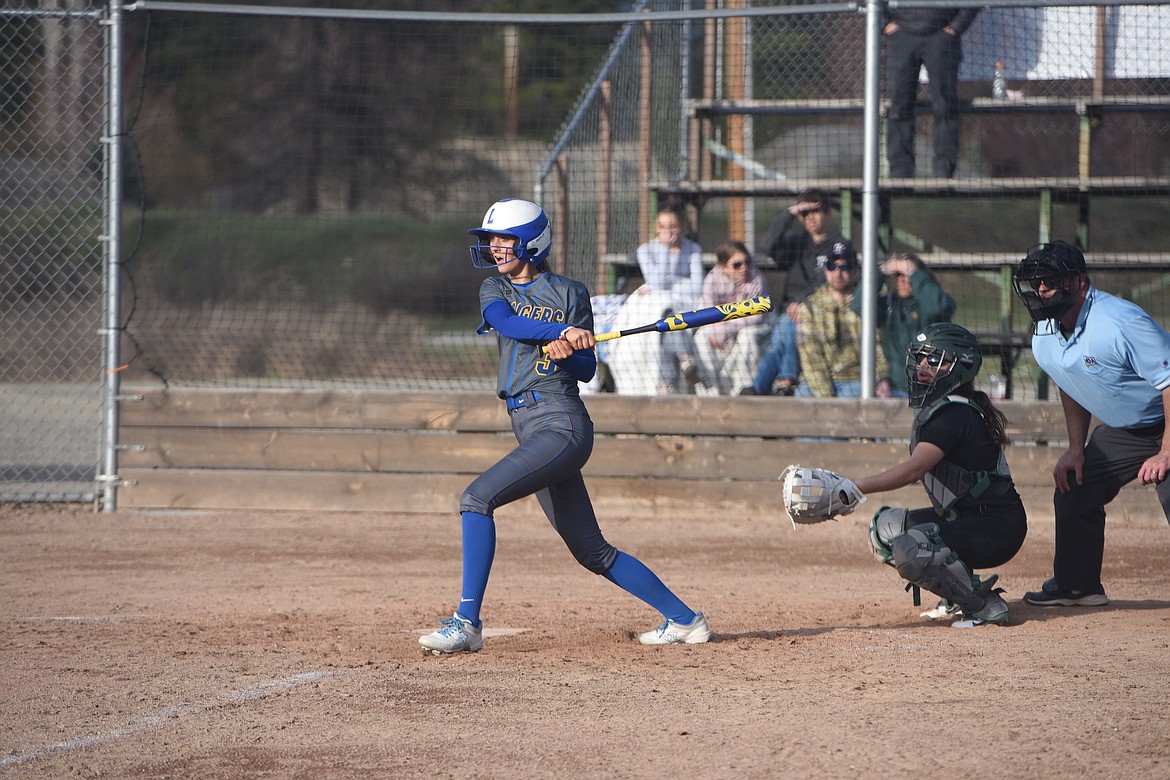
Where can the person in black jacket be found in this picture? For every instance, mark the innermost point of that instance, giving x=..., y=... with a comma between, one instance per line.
x=799, y=240
x=930, y=37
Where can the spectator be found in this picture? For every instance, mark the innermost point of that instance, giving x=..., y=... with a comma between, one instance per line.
x=930, y=37
x=912, y=300
x=797, y=241
x=829, y=334
x=671, y=263
x=672, y=270
x=1111, y=361
x=729, y=351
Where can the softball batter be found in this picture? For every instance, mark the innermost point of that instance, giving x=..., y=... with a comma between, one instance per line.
x=530, y=307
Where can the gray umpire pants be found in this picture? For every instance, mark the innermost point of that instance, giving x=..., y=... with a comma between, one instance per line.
x=1113, y=457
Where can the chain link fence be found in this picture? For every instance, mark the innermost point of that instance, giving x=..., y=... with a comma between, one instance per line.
x=52, y=107
x=298, y=181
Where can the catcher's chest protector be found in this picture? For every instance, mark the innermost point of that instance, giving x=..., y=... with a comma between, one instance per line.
x=949, y=482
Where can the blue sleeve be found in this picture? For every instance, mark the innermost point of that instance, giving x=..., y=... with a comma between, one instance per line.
x=507, y=323
x=1145, y=346
x=581, y=365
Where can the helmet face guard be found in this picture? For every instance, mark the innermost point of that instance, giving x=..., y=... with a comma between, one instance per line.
x=483, y=255
x=939, y=360
x=521, y=220
x=1055, y=267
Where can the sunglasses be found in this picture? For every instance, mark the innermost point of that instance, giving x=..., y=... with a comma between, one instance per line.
x=933, y=359
x=838, y=266
x=738, y=264
x=1051, y=282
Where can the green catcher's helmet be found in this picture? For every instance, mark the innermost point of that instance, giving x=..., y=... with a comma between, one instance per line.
x=941, y=358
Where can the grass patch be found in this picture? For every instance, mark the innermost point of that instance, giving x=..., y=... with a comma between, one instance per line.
x=381, y=262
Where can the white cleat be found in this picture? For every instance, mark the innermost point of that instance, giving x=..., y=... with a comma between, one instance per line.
x=671, y=633
x=455, y=635
x=944, y=610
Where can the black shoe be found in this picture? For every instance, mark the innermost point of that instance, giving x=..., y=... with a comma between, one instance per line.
x=1051, y=595
x=749, y=390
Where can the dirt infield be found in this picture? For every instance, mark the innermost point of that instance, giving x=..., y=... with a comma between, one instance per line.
x=222, y=645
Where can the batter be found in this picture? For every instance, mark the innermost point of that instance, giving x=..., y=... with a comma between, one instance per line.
x=544, y=330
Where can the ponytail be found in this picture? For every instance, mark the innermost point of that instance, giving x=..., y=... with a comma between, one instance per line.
x=996, y=421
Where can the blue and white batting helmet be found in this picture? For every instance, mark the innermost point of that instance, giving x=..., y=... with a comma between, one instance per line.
x=520, y=219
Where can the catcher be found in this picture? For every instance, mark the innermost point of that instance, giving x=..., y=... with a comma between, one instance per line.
x=956, y=449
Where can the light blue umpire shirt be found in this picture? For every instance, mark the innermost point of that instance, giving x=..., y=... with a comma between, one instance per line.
x=1115, y=363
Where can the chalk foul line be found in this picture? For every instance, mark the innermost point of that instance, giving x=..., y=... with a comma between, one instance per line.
x=157, y=719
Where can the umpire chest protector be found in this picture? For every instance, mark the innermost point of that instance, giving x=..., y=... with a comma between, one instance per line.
x=948, y=483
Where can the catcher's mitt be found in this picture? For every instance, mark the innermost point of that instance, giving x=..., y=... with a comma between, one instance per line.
x=813, y=495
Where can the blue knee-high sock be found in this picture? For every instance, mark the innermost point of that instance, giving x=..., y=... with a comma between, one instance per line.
x=479, y=548
x=635, y=577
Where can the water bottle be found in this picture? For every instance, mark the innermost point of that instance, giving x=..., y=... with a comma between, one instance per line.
x=997, y=386
x=999, y=83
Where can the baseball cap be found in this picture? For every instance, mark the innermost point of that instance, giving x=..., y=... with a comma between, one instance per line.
x=838, y=250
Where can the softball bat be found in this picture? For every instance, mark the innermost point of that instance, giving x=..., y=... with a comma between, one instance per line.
x=698, y=318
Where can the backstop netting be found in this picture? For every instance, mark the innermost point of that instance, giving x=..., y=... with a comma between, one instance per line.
x=303, y=185
x=298, y=181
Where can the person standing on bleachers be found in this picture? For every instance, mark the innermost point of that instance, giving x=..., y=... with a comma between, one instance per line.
x=930, y=38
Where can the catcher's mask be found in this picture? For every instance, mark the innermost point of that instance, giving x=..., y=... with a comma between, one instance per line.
x=943, y=357
x=522, y=220
x=1056, y=268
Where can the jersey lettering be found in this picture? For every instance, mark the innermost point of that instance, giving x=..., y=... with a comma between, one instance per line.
x=541, y=313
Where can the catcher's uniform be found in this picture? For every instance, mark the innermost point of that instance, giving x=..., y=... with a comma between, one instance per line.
x=980, y=515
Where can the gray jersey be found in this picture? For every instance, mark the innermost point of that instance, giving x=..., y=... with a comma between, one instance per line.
x=551, y=299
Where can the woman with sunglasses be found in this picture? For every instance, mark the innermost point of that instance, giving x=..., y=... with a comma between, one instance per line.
x=977, y=519
x=729, y=351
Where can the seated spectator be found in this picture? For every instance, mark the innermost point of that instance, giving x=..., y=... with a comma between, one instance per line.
x=797, y=241
x=729, y=352
x=829, y=334
x=672, y=270
x=671, y=263
x=910, y=299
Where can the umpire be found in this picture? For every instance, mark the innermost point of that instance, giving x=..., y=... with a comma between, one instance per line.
x=1112, y=361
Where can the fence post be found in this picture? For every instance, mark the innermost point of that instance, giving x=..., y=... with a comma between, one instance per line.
x=870, y=205
x=736, y=82
x=112, y=139
x=561, y=229
x=645, y=126
x=605, y=132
